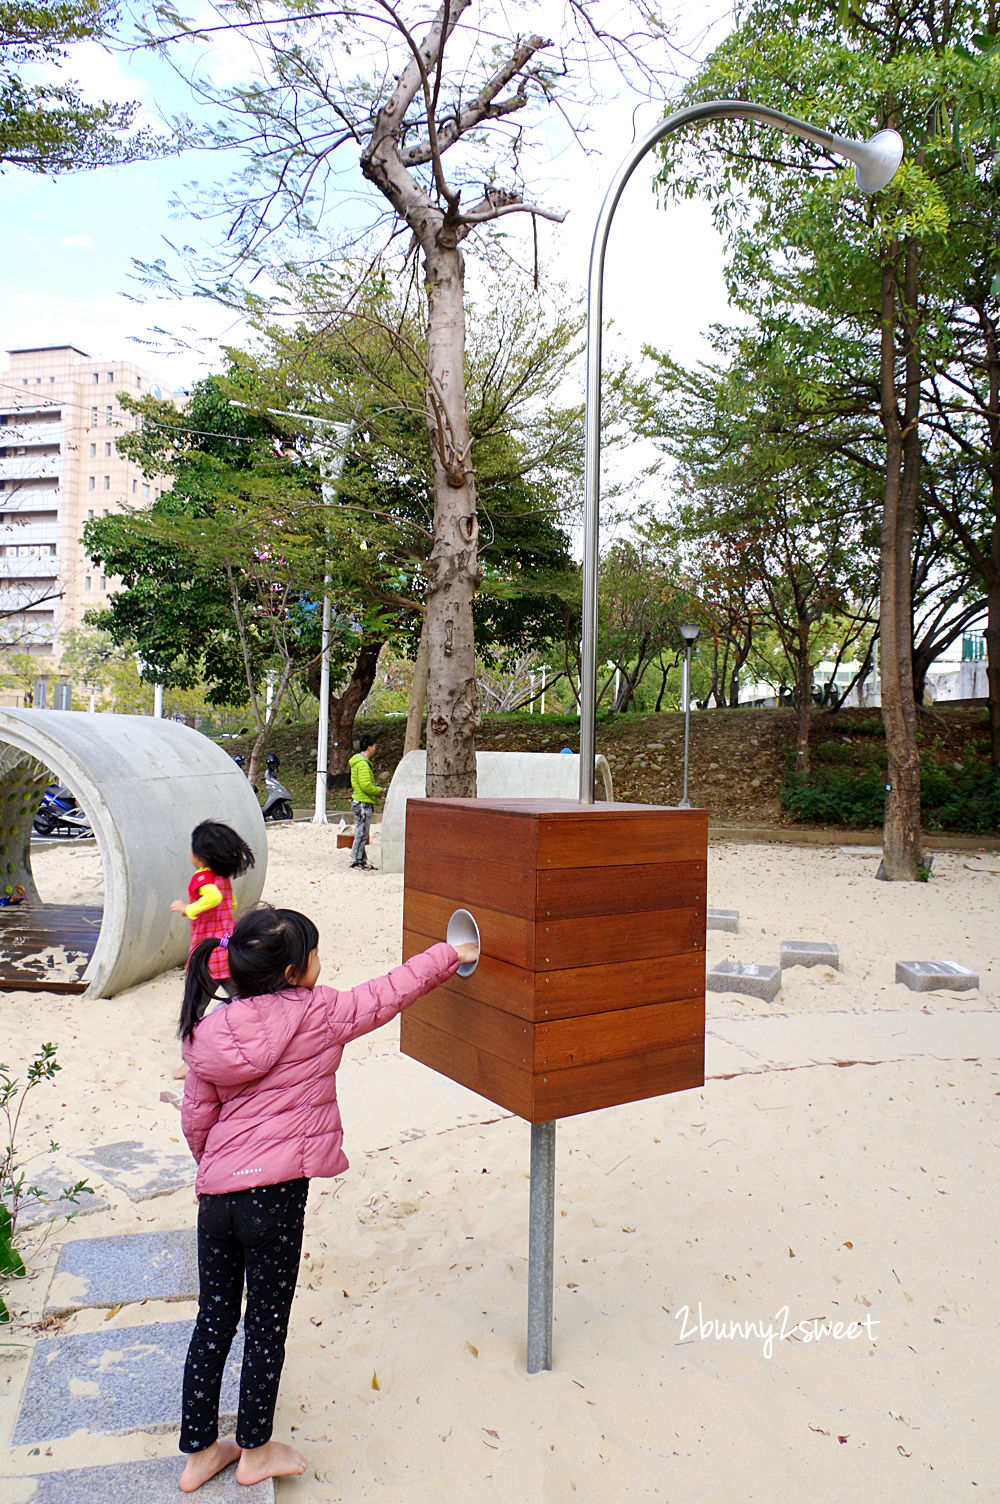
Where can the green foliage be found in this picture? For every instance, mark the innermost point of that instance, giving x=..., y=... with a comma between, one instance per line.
x=50, y=127
x=14, y=1185
x=950, y=799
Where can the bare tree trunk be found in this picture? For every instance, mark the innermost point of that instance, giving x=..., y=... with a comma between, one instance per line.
x=901, y=833
x=418, y=695
x=452, y=569
x=343, y=713
x=993, y=583
x=803, y=718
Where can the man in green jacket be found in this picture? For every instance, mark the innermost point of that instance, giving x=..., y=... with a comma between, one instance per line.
x=364, y=792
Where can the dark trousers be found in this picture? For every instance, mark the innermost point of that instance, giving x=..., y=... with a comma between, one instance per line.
x=256, y=1234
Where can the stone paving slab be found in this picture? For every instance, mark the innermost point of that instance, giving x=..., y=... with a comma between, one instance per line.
x=113, y=1381
x=33, y=1213
x=810, y=953
x=723, y=919
x=131, y=1266
x=935, y=976
x=137, y=1483
x=747, y=978
x=140, y=1170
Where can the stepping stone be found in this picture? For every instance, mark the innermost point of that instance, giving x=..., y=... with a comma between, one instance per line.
x=723, y=919
x=932, y=976
x=745, y=977
x=139, y=1170
x=139, y=1483
x=113, y=1381
x=32, y=1212
x=810, y=953
x=133, y=1266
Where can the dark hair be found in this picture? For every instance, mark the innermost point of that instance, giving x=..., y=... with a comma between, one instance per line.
x=221, y=849
x=265, y=945
x=365, y=740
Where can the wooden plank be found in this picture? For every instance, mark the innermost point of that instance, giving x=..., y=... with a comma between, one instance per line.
x=511, y=988
x=47, y=984
x=656, y=1073
x=468, y=828
x=494, y=878
x=598, y=989
x=491, y=1029
x=494, y=1079
x=609, y=938
x=505, y=936
x=568, y=1042
x=29, y=930
x=572, y=892
x=628, y=839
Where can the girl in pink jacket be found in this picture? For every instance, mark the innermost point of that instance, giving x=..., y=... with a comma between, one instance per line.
x=261, y=1117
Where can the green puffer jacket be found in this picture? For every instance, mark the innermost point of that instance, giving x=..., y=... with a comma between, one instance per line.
x=363, y=785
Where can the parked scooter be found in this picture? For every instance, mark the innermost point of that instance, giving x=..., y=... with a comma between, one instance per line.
x=60, y=815
x=277, y=799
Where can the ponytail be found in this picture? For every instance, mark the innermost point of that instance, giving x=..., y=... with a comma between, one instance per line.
x=200, y=987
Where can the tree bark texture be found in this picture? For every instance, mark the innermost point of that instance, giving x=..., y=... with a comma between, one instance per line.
x=418, y=695
x=344, y=709
x=901, y=852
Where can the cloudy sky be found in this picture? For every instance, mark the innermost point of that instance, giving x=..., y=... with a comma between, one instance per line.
x=66, y=257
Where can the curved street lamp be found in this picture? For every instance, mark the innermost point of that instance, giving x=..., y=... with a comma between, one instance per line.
x=689, y=632
x=875, y=164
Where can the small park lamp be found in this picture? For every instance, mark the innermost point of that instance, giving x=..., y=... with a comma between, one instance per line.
x=689, y=632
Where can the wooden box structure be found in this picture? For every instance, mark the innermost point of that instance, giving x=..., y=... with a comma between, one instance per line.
x=590, y=988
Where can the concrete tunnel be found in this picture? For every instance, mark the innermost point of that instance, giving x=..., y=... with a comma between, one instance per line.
x=144, y=784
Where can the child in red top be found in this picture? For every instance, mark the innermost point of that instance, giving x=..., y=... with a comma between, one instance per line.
x=218, y=855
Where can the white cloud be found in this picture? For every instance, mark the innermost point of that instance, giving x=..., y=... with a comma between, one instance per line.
x=76, y=240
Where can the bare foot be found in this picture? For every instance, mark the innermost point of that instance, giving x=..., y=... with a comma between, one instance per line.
x=180, y=1072
x=204, y=1465
x=273, y=1460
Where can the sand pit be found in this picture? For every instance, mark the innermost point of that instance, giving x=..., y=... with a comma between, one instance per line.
x=838, y=1167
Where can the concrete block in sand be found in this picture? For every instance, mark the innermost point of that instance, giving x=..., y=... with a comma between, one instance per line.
x=112, y=1381
x=934, y=976
x=747, y=978
x=132, y=1266
x=810, y=953
x=140, y=1170
x=149, y=1482
x=723, y=919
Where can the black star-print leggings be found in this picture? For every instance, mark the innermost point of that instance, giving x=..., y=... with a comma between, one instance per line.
x=256, y=1233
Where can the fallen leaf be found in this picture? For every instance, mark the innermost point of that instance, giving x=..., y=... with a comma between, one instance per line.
x=842, y=1439
x=902, y=1451
x=473, y=1350
x=848, y=1245
x=375, y=1382
x=114, y=1311
x=791, y=1253
x=316, y=1320
x=494, y=1434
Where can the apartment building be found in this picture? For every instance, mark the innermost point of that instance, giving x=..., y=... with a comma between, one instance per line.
x=59, y=419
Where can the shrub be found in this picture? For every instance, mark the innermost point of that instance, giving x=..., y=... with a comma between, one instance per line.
x=950, y=799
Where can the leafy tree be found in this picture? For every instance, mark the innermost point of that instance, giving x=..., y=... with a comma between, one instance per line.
x=51, y=127
x=882, y=274
x=436, y=116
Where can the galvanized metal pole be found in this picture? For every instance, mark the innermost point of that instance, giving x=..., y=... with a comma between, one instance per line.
x=875, y=164
x=541, y=1245
x=685, y=801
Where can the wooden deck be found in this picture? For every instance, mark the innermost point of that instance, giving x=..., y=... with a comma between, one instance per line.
x=46, y=947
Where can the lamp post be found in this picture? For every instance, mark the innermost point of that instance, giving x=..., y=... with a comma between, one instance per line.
x=875, y=164
x=689, y=632
x=543, y=669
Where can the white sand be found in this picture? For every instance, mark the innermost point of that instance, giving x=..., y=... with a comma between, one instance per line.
x=795, y=1179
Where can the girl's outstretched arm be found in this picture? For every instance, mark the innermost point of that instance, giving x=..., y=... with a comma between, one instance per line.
x=368, y=1006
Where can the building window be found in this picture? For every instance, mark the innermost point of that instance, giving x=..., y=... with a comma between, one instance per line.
x=105, y=511
x=107, y=417
x=91, y=482
x=52, y=380
x=24, y=381
x=97, y=376
x=90, y=513
x=38, y=381
x=93, y=451
x=135, y=484
x=107, y=483
x=111, y=375
x=107, y=449
x=93, y=417
x=104, y=582
x=86, y=583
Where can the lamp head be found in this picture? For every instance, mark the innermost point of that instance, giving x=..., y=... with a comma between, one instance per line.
x=689, y=631
x=875, y=161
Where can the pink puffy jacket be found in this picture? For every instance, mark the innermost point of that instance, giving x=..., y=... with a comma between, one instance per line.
x=260, y=1099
